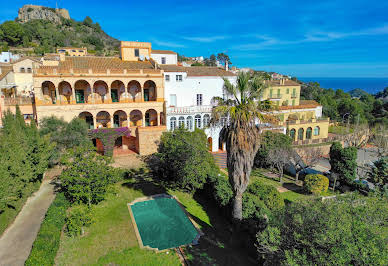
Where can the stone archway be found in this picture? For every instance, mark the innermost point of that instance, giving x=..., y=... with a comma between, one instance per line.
x=103, y=119
x=117, y=91
x=88, y=117
x=65, y=92
x=136, y=118
x=149, y=91
x=49, y=93
x=82, y=91
x=134, y=90
x=120, y=119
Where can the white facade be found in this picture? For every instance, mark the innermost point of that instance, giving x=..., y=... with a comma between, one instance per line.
x=7, y=57
x=188, y=101
x=165, y=58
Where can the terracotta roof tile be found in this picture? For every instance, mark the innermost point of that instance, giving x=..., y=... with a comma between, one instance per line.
x=197, y=71
x=36, y=59
x=97, y=63
x=302, y=105
x=162, y=52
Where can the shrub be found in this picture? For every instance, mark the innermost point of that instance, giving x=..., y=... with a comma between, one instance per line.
x=316, y=184
x=46, y=243
x=221, y=190
x=268, y=194
x=78, y=217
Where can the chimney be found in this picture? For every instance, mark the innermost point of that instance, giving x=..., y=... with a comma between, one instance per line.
x=226, y=66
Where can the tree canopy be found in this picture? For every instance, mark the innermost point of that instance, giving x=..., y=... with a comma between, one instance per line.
x=183, y=159
x=349, y=230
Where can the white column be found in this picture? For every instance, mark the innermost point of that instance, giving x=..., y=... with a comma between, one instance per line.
x=95, y=121
x=157, y=119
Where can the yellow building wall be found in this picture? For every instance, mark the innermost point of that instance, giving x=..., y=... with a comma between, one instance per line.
x=283, y=95
x=322, y=124
x=74, y=51
x=128, y=50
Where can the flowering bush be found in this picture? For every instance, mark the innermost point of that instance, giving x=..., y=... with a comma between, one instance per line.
x=108, y=137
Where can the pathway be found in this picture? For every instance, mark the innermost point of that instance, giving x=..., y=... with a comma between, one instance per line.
x=16, y=242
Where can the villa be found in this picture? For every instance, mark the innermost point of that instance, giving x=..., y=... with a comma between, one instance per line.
x=106, y=92
x=146, y=91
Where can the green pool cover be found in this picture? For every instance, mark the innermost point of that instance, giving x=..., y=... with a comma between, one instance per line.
x=162, y=224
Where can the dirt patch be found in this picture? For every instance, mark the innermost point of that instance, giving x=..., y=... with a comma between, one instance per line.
x=131, y=161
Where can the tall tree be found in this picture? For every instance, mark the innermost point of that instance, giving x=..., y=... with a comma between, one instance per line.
x=11, y=32
x=243, y=111
x=343, y=162
x=223, y=58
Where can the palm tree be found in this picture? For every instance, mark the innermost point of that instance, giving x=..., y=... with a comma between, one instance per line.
x=243, y=110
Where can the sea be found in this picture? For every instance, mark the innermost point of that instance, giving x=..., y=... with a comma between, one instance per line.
x=370, y=85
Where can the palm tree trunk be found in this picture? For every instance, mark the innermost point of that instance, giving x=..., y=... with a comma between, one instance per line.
x=237, y=207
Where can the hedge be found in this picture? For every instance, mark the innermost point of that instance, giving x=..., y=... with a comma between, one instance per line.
x=46, y=244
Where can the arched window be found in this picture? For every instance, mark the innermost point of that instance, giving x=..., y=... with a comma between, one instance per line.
x=181, y=122
x=309, y=132
x=172, y=123
x=198, y=121
x=206, y=120
x=292, y=134
x=300, y=134
x=29, y=70
x=22, y=70
x=189, y=123
x=316, y=131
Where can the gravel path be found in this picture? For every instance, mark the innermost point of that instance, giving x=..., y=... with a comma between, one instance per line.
x=16, y=242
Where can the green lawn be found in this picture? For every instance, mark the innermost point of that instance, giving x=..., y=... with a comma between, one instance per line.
x=111, y=239
x=340, y=130
x=294, y=194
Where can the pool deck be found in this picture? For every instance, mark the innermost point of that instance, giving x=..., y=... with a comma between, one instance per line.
x=139, y=240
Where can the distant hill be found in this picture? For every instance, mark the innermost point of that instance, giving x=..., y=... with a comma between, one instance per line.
x=43, y=29
x=357, y=93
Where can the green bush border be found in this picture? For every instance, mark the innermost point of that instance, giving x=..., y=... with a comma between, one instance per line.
x=45, y=247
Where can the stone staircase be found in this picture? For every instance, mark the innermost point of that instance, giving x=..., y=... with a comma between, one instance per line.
x=220, y=159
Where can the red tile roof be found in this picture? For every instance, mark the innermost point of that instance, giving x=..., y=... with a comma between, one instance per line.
x=197, y=71
x=162, y=52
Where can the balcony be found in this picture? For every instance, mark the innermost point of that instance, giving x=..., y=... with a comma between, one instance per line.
x=294, y=95
x=18, y=101
x=189, y=109
x=275, y=96
x=317, y=120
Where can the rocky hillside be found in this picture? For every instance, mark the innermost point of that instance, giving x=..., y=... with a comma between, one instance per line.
x=30, y=12
x=40, y=30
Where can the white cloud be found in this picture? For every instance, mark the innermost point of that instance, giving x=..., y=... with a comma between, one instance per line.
x=268, y=42
x=205, y=39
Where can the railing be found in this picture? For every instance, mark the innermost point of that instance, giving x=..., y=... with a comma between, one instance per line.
x=294, y=95
x=189, y=109
x=18, y=101
x=53, y=70
x=275, y=96
x=293, y=122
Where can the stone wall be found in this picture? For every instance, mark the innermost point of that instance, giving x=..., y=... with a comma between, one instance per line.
x=148, y=139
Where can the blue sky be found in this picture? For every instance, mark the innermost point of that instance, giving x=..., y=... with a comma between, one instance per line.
x=326, y=38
